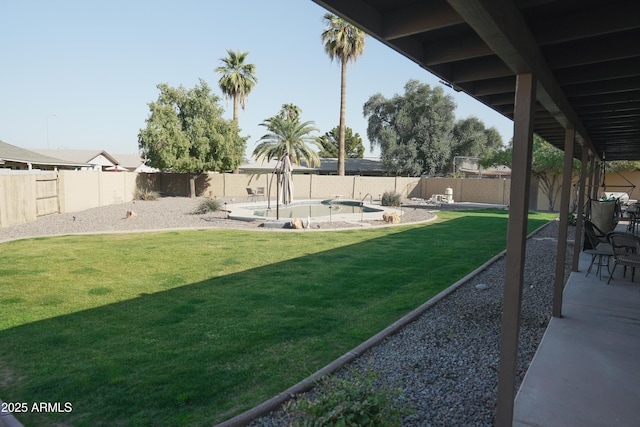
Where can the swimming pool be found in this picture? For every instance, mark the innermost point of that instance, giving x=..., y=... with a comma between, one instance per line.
x=317, y=210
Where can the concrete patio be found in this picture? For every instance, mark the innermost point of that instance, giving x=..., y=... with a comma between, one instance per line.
x=586, y=371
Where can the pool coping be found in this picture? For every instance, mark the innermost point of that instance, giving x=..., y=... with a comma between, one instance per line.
x=239, y=211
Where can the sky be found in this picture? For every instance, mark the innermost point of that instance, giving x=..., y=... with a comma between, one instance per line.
x=80, y=74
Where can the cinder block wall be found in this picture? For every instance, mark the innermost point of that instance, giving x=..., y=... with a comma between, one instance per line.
x=17, y=199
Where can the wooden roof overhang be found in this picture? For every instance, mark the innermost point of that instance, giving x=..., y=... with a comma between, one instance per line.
x=585, y=55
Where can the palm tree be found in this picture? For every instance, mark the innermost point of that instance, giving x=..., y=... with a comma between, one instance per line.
x=344, y=42
x=288, y=136
x=238, y=79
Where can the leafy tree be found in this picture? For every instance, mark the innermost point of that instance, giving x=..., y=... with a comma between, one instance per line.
x=238, y=79
x=186, y=133
x=472, y=139
x=344, y=42
x=547, y=166
x=354, y=149
x=499, y=157
x=414, y=131
x=288, y=135
x=622, y=166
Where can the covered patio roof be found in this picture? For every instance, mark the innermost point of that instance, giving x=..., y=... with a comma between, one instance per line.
x=568, y=70
x=584, y=53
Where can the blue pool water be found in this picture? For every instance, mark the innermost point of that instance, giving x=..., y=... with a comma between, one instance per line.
x=318, y=209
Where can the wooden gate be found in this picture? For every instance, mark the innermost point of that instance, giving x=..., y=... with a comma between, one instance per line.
x=47, y=195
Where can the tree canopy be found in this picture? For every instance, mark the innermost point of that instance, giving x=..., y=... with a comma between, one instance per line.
x=353, y=147
x=547, y=164
x=287, y=135
x=472, y=139
x=237, y=80
x=414, y=131
x=185, y=132
x=344, y=42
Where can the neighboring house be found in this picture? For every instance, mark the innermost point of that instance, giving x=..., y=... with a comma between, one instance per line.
x=369, y=166
x=134, y=163
x=96, y=159
x=16, y=158
x=470, y=168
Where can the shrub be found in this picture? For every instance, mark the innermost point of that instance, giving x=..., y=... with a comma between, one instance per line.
x=208, y=205
x=144, y=194
x=391, y=198
x=345, y=402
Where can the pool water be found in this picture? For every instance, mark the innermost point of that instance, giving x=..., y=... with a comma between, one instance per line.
x=315, y=210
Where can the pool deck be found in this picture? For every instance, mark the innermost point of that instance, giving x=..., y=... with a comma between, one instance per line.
x=246, y=212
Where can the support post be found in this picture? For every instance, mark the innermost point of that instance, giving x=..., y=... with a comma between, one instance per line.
x=596, y=180
x=592, y=165
x=525, y=99
x=567, y=174
x=577, y=246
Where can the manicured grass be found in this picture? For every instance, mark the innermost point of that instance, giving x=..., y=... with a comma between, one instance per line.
x=193, y=327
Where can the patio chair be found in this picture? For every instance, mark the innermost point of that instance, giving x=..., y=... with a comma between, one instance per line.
x=259, y=192
x=603, y=214
x=626, y=252
x=251, y=193
x=597, y=245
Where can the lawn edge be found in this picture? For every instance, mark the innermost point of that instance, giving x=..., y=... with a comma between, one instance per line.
x=308, y=383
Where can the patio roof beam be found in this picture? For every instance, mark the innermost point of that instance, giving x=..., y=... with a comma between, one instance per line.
x=502, y=27
x=418, y=18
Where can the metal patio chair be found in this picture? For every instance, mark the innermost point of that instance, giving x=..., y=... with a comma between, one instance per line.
x=626, y=252
x=597, y=245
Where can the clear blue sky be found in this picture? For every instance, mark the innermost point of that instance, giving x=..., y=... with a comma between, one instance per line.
x=79, y=74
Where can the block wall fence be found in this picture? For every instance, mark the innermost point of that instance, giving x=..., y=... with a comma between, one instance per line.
x=25, y=196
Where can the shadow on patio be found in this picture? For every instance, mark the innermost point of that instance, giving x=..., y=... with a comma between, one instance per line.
x=586, y=371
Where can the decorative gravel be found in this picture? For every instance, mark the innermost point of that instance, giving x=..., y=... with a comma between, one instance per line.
x=166, y=213
x=446, y=362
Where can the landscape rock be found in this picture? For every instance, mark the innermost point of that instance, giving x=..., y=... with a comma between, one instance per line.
x=391, y=218
x=296, y=223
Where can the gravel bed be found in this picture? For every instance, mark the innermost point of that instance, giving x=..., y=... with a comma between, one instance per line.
x=446, y=362
x=166, y=213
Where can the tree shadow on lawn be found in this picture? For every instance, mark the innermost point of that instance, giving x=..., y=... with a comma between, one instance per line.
x=200, y=353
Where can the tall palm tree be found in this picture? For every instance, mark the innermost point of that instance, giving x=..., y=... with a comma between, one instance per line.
x=344, y=42
x=238, y=79
x=289, y=137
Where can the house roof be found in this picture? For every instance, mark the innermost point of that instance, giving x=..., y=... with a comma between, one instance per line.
x=129, y=161
x=16, y=154
x=367, y=165
x=85, y=156
x=585, y=56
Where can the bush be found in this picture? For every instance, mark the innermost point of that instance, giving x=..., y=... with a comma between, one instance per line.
x=345, y=402
x=208, y=205
x=391, y=198
x=144, y=194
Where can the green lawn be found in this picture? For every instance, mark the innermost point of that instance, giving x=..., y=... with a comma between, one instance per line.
x=193, y=327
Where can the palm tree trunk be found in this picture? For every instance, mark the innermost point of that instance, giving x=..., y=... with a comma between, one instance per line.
x=235, y=109
x=343, y=108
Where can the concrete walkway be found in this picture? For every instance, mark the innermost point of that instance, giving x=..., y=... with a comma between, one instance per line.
x=586, y=371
